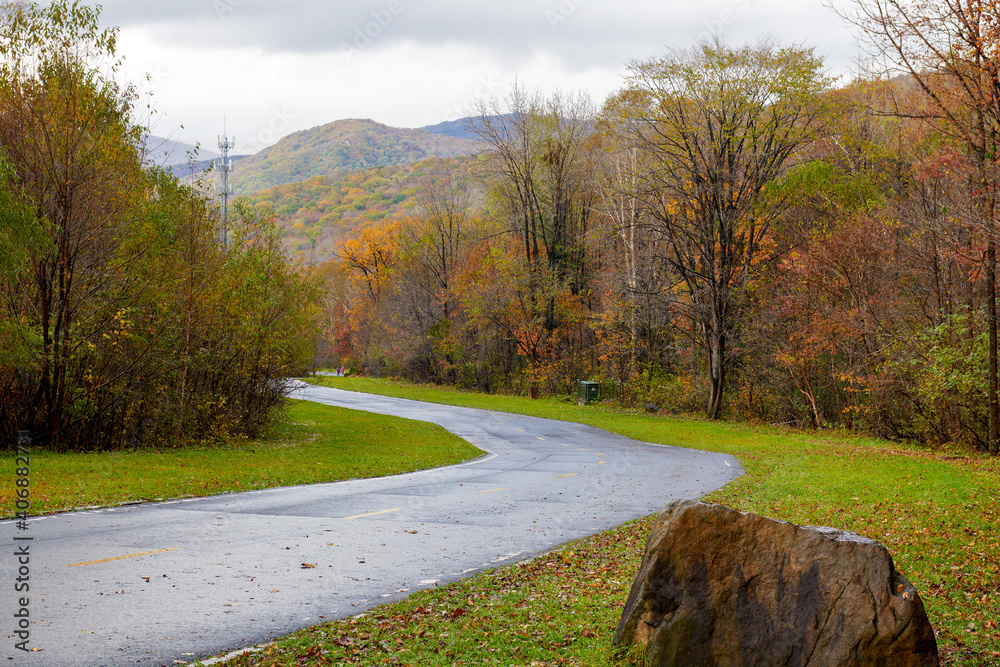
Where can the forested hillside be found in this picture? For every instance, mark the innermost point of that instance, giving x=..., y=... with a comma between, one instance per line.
x=340, y=146
x=316, y=214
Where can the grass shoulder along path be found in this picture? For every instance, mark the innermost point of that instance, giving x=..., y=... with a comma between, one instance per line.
x=310, y=444
x=938, y=514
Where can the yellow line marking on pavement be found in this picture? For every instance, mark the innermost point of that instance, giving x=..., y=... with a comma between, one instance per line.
x=519, y=429
x=108, y=560
x=563, y=445
x=540, y=437
x=565, y=476
x=600, y=463
x=495, y=490
x=583, y=450
x=360, y=516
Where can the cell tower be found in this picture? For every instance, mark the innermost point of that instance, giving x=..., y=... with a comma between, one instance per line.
x=225, y=189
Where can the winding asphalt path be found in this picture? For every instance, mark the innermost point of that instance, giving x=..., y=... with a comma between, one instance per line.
x=165, y=583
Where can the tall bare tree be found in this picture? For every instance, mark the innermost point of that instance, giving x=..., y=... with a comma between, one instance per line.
x=618, y=174
x=720, y=124
x=538, y=147
x=437, y=234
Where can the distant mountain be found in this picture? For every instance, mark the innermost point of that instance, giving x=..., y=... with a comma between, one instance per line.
x=452, y=128
x=459, y=129
x=340, y=146
x=168, y=153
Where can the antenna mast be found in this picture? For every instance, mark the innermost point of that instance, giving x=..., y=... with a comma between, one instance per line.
x=225, y=189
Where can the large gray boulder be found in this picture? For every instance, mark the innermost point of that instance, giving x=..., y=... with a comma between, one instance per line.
x=719, y=587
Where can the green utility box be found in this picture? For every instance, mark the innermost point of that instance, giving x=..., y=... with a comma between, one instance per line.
x=588, y=391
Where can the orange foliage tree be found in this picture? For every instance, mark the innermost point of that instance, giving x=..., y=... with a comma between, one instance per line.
x=950, y=49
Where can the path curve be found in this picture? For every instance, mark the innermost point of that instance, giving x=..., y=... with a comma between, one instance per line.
x=224, y=572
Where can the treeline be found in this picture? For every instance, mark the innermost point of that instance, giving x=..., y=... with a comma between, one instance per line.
x=727, y=234
x=125, y=321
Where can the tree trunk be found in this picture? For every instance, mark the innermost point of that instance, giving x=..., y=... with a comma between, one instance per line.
x=991, y=298
x=807, y=390
x=717, y=374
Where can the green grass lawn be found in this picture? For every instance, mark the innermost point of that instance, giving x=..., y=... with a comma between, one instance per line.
x=310, y=443
x=938, y=513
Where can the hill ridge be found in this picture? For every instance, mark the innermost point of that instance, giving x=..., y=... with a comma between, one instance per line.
x=343, y=145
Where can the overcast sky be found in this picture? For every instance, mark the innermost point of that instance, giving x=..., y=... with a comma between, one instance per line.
x=270, y=68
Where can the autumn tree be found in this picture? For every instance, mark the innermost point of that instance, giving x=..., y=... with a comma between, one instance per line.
x=266, y=331
x=436, y=240
x=124, y=322
x=371, y=260
x=21, y=236
x=537, y=147
x=620, y=164
x=720, y=124
x=950, y=49
x=65, y=125
x=438, y=232
x=634, y=279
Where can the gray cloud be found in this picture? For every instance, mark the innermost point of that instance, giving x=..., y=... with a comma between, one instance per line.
x=246, y=58
x=578, y=34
